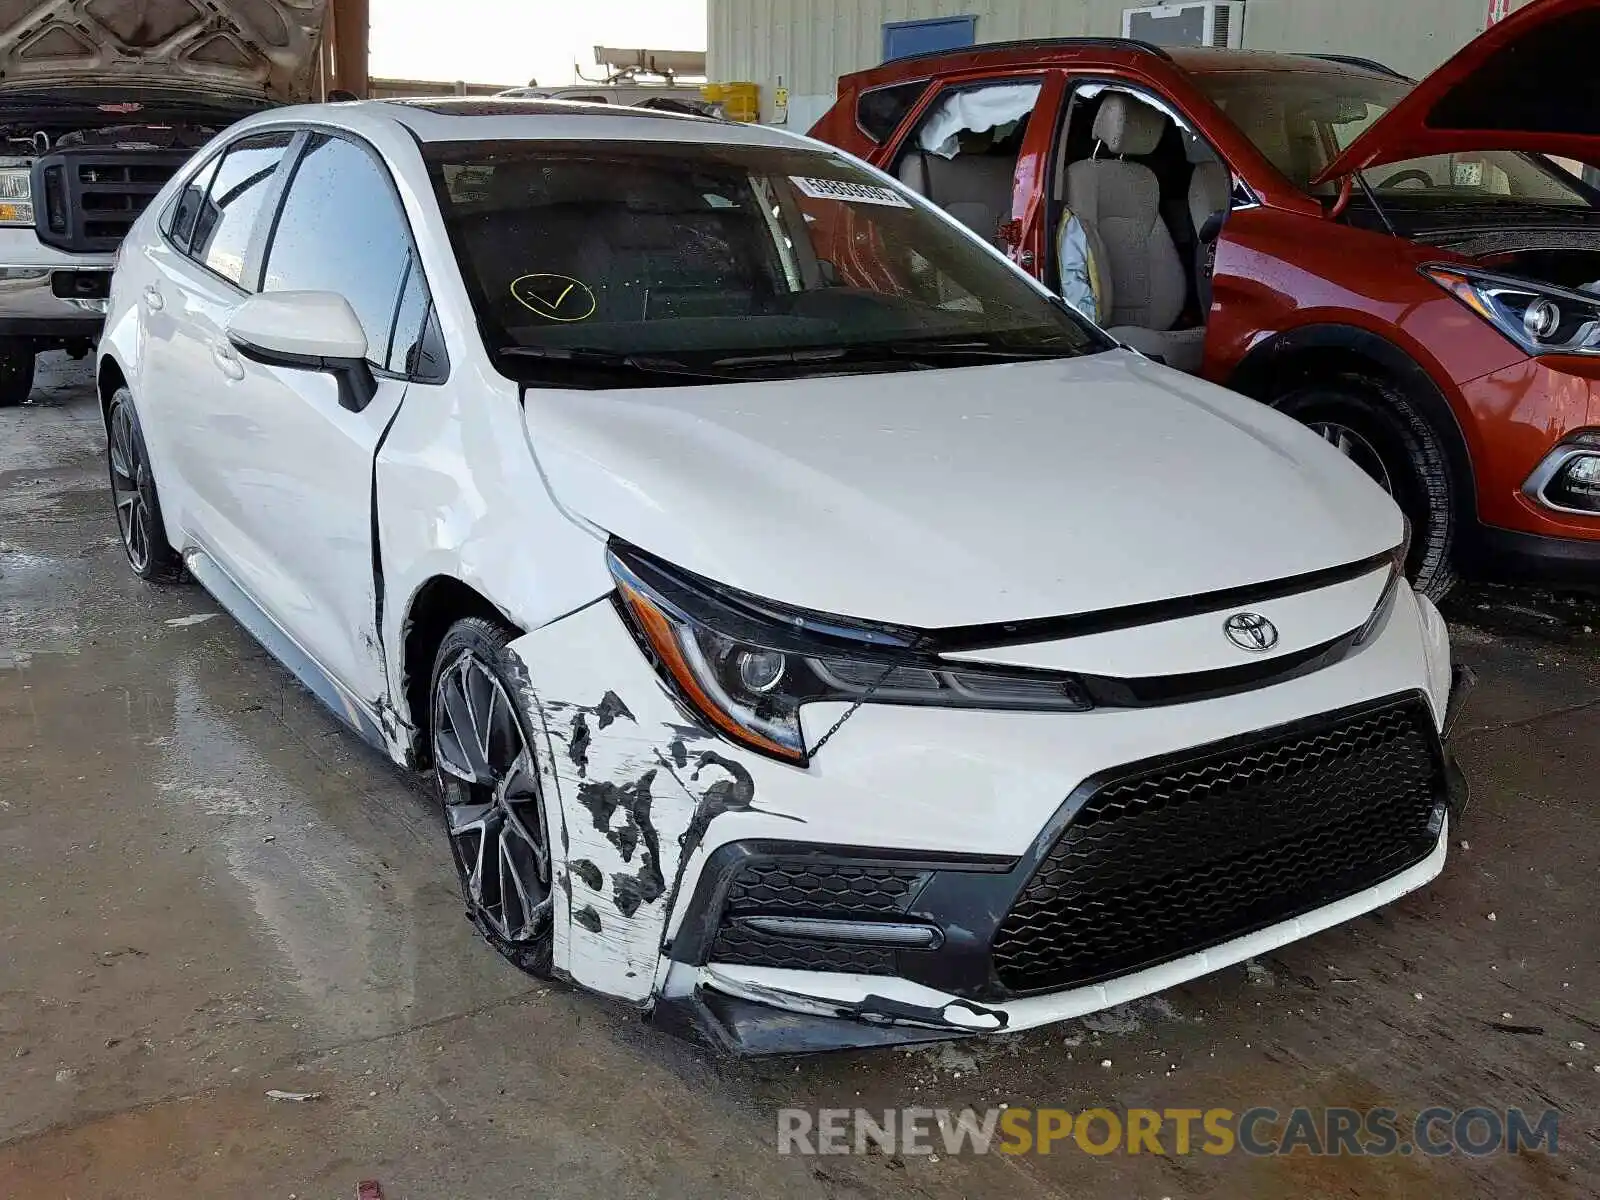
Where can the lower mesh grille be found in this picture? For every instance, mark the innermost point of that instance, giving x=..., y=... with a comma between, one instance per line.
x=1181, y=857
x=812, y=887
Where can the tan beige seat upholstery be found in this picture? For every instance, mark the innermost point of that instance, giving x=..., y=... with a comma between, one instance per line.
x=1143, y=284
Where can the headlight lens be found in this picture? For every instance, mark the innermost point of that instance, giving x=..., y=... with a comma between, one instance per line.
x=1540, y=319
x=747, y=665
x=16, y=196
x=1397, y=576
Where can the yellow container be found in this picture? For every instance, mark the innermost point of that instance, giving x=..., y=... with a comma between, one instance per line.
x=739, y=101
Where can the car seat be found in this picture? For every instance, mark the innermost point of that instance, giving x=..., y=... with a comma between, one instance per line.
x=1140, y=284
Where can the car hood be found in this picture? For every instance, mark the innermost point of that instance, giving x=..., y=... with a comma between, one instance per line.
x=1527, y=83
x=254, y=48
x=964, y=496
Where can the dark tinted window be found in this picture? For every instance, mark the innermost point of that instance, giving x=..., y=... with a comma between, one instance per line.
x=227, y=217
x=341, y=230
x=181, y=216
x=880, y=111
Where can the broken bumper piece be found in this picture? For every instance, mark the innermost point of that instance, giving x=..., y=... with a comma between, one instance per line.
x=939, y=873
x=757, y=1011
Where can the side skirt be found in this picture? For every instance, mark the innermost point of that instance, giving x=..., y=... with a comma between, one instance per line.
x=353, y=712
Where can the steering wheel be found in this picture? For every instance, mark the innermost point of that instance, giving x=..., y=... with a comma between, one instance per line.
x=1410, y=174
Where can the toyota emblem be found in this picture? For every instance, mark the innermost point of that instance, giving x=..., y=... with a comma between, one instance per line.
x=1251, y=631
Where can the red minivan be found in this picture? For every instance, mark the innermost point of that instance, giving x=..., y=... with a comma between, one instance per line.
x=1413, y=269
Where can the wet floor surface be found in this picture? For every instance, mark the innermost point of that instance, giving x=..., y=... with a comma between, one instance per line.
x=209, y=890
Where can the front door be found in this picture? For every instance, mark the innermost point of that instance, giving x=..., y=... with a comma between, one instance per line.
x=300, y=472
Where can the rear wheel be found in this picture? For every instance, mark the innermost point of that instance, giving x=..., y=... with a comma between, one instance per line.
x=133, y=489
x=1379, y=429
x=16, y=372
x=488, y=781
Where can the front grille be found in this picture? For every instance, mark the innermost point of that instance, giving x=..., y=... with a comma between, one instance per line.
x=1182, y=856
x=812, y=887
x=87, y=199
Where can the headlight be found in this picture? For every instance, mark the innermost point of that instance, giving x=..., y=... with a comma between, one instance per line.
x=748, y=665
x=1538, y=318
x=16, y=196
x=1397, y=575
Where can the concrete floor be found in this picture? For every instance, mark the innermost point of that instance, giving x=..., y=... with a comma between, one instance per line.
x=208, y=889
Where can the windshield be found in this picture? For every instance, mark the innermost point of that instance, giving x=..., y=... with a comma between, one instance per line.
x=1302, y=120
x=735, y=261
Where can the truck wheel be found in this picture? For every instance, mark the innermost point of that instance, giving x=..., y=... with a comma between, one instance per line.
x=1377, y=427
x=16, y=372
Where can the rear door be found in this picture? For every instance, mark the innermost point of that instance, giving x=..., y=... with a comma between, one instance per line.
x=299, y=470
x=190, y=378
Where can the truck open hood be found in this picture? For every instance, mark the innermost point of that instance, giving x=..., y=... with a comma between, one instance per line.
x=254, y=48
x=964, y=496
x=1528, y=83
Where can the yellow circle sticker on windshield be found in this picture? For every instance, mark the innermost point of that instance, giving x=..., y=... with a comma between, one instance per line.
x=554, y=297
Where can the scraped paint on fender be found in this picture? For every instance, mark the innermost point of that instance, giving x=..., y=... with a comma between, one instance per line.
x=632, y=784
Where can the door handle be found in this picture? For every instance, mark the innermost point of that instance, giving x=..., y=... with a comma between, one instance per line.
x=227, y=361
x=153, y=299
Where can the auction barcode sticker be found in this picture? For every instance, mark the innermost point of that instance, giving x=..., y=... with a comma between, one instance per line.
x=853, y=193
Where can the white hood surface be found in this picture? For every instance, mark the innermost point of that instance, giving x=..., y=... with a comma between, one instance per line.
x=962, y=496
x=253, y=48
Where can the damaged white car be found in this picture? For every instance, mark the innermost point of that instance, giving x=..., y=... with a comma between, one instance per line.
x=820, y=636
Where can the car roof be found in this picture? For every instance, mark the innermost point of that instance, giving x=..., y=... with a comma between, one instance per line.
x=1198, y=60
x=497, y=118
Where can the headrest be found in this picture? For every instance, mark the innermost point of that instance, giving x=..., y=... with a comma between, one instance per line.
x=1128, y=127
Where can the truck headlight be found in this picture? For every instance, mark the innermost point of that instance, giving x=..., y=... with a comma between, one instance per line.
x=1538, y=318
x=16, y=196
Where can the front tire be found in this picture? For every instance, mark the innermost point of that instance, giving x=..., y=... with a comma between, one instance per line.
x=16, y=372
x=1384, y=433
x=488, y=781
x=133, y=490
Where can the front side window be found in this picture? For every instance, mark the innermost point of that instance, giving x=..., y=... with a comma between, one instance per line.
x=225, y=220
x=1302, y=120
x=735, y=260
x=341, y=230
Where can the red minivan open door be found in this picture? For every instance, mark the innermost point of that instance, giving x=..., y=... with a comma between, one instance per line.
x=1529, y=83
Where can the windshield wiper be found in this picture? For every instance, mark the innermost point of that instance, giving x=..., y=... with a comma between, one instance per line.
x=586, y=358
x=909, y=352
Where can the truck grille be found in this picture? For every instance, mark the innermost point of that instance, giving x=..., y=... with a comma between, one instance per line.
x=1185, y=855
x=86, y=200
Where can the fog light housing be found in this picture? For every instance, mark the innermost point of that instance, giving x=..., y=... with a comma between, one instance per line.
x=1568, y=480
x=1577, y=484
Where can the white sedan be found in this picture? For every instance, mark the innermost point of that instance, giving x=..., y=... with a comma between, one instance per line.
x=818, y=634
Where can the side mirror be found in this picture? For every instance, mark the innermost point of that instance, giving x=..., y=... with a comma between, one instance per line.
x=307, y=331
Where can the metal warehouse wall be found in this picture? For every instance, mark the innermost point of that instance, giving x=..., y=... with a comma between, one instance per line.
x=810, y=43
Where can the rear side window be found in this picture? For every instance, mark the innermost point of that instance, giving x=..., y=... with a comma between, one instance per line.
x=226, y=218
x=341, y=230
x=181, y=217
x=880, y=111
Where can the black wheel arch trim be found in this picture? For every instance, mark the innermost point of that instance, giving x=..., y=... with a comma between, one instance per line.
x=1260, y=366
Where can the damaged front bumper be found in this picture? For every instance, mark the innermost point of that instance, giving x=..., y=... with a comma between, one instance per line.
x=916, y=881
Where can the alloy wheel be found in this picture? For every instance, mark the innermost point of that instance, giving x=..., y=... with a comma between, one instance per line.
x=492, y=804
x=1357, y=449
x=129, y=479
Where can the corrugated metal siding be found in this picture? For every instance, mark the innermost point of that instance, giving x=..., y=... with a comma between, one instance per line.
x=810, y=43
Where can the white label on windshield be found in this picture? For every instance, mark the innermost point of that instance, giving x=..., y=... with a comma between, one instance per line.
x=851, y=193
x=1468, y=174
